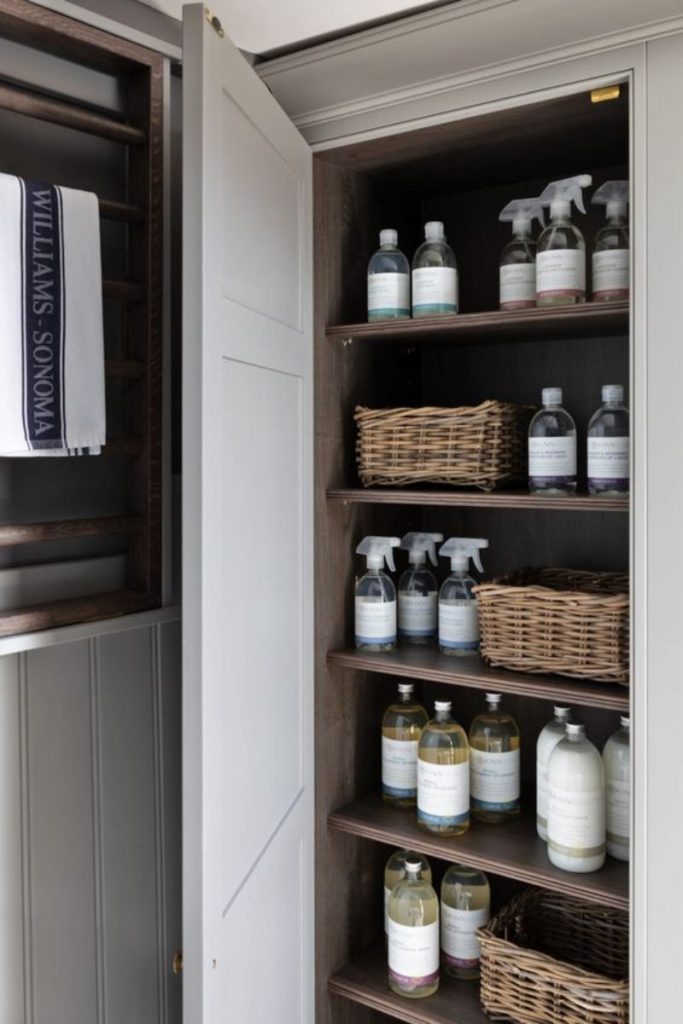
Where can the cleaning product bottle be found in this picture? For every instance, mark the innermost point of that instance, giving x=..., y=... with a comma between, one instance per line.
x=395, y=872
x=435, y=274
x=458, y=608
x=548, y=738
x=418, y=590
x=388, y=280
x=518, y=258
x=617, y=757
x=413, y=935
x=443, y=775
x=495, y=781
x=465, y=908
x=402, y=725
x=611, y=264
x=561, y=250
x=576, y=803
x=608, y=444
x=552, y=447
x=375, y=603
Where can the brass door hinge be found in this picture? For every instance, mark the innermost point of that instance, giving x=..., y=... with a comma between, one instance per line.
x=178, y=962
x=610, y=92
x=214, y=22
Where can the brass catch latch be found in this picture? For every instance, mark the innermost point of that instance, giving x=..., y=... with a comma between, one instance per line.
x=178, y=962
x=214, y=22
x=609, y=92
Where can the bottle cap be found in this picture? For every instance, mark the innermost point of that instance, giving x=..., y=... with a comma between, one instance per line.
x=562, y=714
x=576, y=730
x=551, y=396
x=443, y=705
x=612, y=393
x=388, y=236
x=434, y=231
x=625, y=722
x=493, y=698
x=406, y=688
x=413, y=867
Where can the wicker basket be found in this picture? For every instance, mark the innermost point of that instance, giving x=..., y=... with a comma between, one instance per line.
x=481, y=446
x=581, y=977
x=563, y=621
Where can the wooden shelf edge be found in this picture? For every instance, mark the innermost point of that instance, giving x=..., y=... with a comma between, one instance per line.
x=74, y=610
x=68, y=529
x=476, y=499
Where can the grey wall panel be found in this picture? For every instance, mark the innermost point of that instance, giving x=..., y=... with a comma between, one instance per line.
x=11, y=874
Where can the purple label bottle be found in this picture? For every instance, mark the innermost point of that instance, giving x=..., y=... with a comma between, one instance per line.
x=609, y=444
x=552, y=447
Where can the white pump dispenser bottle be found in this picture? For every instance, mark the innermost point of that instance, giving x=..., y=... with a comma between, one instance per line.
x=458, y=607
x=517, y=274
x=611, y=264
x=418, y=590
x=548, y=738
x=617, y=757
x=375, y=603
x=561, y=250
x=576, y=803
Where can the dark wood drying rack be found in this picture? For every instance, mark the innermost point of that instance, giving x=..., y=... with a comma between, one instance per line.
x=140, y=130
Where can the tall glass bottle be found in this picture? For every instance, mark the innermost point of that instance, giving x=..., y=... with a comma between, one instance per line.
x=548, y=738
x=552, y=447
x=495, y=782
x=465, y=908
x=608, y=444
x=388, y=280
x=402, y=725
x=413, y=935
x=395, y=872
x=375, y=596
x=561, y=249
x=435, y=274
x=617, y=758
x=576, y=803
x=611, y=278
x=443, y=775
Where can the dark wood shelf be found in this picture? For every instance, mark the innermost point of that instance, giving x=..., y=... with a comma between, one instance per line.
x=429, y=665
x=68, y=529
x=74, y=610
x=364, y=981
x=476, y=499
x=589, y=319
x=512, y=850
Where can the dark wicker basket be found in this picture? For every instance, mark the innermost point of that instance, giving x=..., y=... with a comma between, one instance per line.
x=551, y=959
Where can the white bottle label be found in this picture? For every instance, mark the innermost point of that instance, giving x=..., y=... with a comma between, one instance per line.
x=518, y=285
x=435, y=290
x=399, y=767
x=414, y=953
x=459, y=625
x=561, y=272
x=387, y=894
x=417, y=614
x=618, y=809
x=443, y=792
x=375, y=621
x=495, y=779
x=611, y=272
x=459, y=943
x=576, y=821
x=608, y=459
x=542, y=791
x=552, y=458
x=389, y=294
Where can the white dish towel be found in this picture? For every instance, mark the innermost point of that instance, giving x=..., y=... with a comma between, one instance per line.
x=51, y=330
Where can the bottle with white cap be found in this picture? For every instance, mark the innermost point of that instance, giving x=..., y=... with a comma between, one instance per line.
x=611, y=264
x=576, y=803
x=609, y=445
x=388, y=280
x=375, y=603
x=443, y=775
x=517, y=275
x=402, y=726
x=413, y=935
x=418, y=590
x=548, y=738
x=395, y=872
x=617, y=757
x=435, y=274
x=552, y=447
x=561, y=249
x=495, y=776
x=458, y=605
x=465, y=908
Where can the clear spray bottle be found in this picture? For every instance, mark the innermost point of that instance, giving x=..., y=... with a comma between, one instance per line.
x=518, y=258
x=418, y=589
x=375, y=604
x=561, y=249
x=458, y=607
x=611, y=246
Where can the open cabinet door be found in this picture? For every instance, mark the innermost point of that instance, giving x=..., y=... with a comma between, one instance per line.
x=247, y=539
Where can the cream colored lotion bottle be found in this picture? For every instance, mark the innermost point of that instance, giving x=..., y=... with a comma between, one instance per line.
x=576, y=803
x=465, y=908
x=495, y=780
x=617, y=758
x=413, y=935
x=443, y=775
x=548, y=738
x=395, y=872
x=402, y=726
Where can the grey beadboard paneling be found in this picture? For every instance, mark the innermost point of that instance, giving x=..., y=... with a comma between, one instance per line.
x=12, y=1008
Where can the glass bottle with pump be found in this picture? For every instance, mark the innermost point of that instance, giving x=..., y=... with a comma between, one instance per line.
x=388, y=280
x=611, y=263
x=435, y=274
x=465, y=908
x=517, y=275
x=402, y=725
x=495, y=781
x=576, y=803
x=548, y=738
x=375, y=598
x=395, y=872
x=552, y=447
x=617, y=758
x=443, y=775
x=458, y=606
x=413, y=935
x=561, y=249
x=608, y=444
x=418, y=590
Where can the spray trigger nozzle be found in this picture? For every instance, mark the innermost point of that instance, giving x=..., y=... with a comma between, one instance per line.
x=613, y=195
x=419, y=545
x=522, y=212
x=461, y=549
x=563, y=193
x=377, y=550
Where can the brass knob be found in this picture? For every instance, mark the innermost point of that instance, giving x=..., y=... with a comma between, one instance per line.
x=178, y=961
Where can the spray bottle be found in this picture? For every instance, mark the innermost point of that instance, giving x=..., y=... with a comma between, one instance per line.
x=418, y=590
x=518, y=258
x=561, y=258
x=375, y=604
x=611, y=249
x=458, y=608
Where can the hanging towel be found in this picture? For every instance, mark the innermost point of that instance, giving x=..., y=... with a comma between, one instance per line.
x=51, y=329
